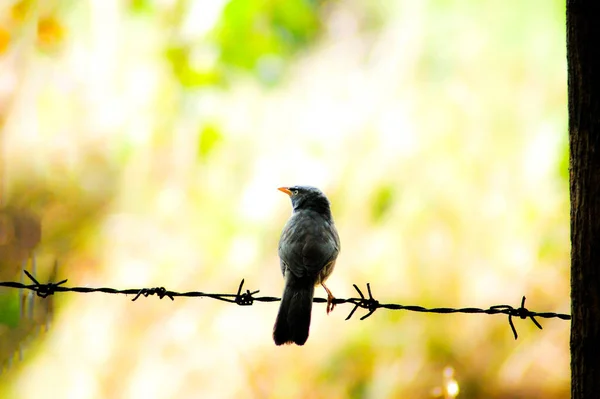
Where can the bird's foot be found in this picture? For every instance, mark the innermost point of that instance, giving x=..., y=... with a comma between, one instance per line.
x=330, y=298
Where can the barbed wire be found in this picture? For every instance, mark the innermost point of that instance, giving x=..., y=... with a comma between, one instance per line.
x=247, y=298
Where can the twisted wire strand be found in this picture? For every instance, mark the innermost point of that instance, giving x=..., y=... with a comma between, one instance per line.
x=248, y=298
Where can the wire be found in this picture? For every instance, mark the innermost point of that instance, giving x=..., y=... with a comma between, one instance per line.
x=248, y=298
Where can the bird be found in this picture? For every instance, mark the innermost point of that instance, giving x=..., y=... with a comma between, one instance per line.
x=308, y=249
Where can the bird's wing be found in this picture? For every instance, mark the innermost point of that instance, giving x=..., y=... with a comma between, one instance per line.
x=308, y=243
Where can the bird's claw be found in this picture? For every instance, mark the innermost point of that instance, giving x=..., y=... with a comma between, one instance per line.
x=330, y=299
x=330, y=303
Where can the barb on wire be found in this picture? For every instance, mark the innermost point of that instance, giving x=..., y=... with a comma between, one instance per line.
x=247, y=298
x=367, y=303
x=43, y=290
x=161, y=292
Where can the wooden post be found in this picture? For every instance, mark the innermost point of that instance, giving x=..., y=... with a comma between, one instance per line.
x=583, y=57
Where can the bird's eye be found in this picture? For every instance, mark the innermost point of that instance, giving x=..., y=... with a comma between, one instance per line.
x=295, y=192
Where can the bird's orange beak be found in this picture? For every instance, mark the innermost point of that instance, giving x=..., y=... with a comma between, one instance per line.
x=285, y=190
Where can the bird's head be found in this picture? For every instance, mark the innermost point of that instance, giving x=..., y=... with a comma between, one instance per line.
x=307, y=197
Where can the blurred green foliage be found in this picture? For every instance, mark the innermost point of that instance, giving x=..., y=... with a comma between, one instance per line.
x=382, y=201
x=250, y=30
x=210, y=137
x=9, y=308
x=187, y=74
x=257, y=37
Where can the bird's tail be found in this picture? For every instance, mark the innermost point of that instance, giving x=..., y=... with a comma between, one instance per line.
x=293, y=320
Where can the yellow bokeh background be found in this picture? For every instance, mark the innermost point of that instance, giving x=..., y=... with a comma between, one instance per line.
x=150, y=137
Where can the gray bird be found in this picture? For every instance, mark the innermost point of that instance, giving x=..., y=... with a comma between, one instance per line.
x=308, y=248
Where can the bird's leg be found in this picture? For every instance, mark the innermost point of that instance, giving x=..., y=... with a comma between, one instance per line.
x=330, y=298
